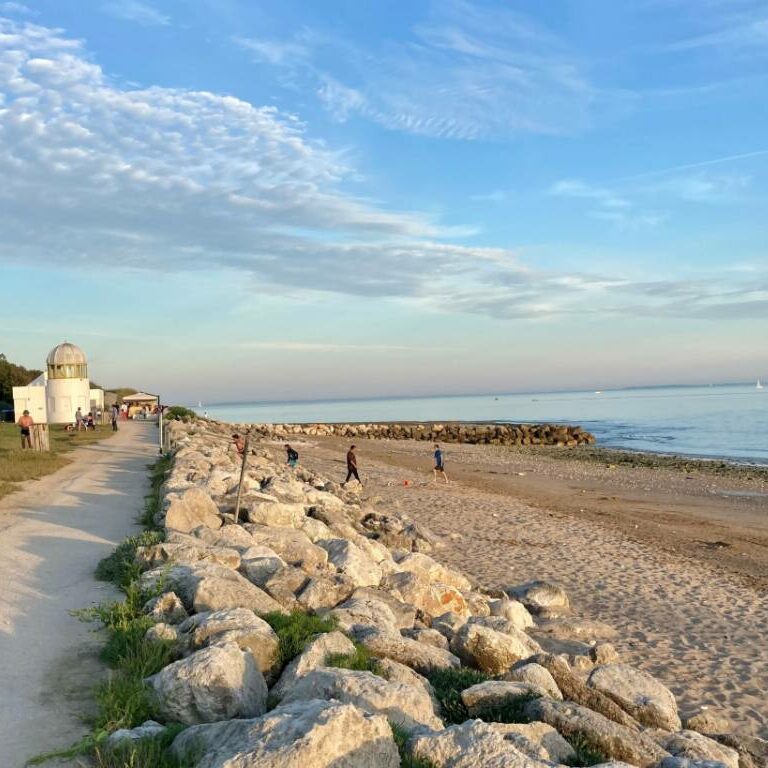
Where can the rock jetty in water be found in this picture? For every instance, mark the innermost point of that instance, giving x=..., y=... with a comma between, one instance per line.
x=452, y=432
x=415, y=663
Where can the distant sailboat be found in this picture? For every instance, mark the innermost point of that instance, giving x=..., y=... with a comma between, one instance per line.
x=759, y=384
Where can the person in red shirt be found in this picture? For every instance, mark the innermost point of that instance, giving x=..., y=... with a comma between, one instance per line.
x=25, y=425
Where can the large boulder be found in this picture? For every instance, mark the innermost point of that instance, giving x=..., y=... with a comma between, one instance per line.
x=351, y=561
x=209, y=587
x=192, y=508
x=169, y=552
x=491, y=651
x=492, y=694
x=537, y=677
x=613, y=740
x=511, y=610
x=258, y=563
x=473, y=744
x=640, y=694
x=321, y=734
x=697, y=747
x=325, y=591
x=575, y=689
x=424, y=565
x=166, y=608
x=316, y=652
x=541, y=597
x=538, y=740
x=285, y=489
x=432, y=598
x=293, y=546
x=277, y=514
x=235, y=625
x=215, y=683
x=366, y=611
x=283, y=586
x=406, y=705
x=230, y=536
x=391, y=645
x=405, y=613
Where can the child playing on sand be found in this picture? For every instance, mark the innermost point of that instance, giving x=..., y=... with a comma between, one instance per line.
x=293, y=456
x=439, y=465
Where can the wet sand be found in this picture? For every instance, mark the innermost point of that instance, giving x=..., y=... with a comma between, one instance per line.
x=673, y=555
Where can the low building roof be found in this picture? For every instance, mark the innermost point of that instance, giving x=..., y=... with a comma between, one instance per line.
x=140, y=397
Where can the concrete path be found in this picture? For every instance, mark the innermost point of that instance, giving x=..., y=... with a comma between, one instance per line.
x=52, y=535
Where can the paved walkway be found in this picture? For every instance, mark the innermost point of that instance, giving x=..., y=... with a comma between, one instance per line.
x=52, y=535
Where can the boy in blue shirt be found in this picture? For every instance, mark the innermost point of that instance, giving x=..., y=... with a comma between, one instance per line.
x=439, y=465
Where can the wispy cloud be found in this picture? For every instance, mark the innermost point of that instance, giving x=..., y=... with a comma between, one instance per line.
x=471, y=70
x=138, y=12
x=17, y=8
x=95, y=175
x=309, y=346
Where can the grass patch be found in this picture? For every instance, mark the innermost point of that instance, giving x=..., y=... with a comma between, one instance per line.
x=294, y=629
x=180, y=413
x=150, y=752
x=407, y=761
x=18, y=466
x=120, y=567
x=361, y=660
x=448, y=685
x=511, y=710
x=586, y=753
x=158, y=472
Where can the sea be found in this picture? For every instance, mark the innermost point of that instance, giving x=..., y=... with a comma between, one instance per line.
x=719, y=421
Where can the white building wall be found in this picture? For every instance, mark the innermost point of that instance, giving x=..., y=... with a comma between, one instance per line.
x=32, y=399
x=64, y=397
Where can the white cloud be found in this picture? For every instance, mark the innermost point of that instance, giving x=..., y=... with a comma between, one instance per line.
x=138, y=12
x=306, y=346
x=17, y=8
x=276, y=52
x=97, y=176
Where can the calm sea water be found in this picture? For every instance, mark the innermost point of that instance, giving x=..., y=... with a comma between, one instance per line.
x=729, y=421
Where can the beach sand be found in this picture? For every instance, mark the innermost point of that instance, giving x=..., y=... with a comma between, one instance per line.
x=675, y=558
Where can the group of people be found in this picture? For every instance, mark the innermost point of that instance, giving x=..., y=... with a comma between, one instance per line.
x=292, y=457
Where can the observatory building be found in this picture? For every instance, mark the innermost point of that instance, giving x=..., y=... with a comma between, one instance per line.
x=56, y=394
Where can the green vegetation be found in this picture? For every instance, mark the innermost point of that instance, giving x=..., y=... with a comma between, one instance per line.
x=151, y=752
x=448, y=685
x=179, y=412
x=120, y=567
x=17, y=466
x=12, y=375
x=510, y=710
x=121, y=392
x=586, y=753
x=360, y=660
x=407, y=761
x=294, y=629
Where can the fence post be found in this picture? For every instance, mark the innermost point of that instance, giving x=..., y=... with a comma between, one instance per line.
x=242, y=476
x=160, y=427
x=40, y=437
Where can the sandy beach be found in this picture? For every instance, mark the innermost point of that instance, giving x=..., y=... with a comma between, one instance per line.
x=674, y=556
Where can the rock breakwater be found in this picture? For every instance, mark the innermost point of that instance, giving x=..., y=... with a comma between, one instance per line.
x=408, y=660
x=562, y=435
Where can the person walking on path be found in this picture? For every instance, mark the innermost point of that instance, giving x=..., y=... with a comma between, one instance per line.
x=352, y=466
x=115, y=416
x=25, y=425
x=439, y=469
x=293, y=456
x=79, y=419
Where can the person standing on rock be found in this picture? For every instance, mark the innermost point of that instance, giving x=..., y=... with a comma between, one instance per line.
x=25, y=425
x=352, y=466
x=439, y=469
x=239, y=443
x=293, y=456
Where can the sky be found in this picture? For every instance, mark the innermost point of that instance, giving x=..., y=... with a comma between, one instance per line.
x=229, y=200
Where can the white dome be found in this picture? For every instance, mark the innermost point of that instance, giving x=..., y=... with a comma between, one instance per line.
x=66, y=354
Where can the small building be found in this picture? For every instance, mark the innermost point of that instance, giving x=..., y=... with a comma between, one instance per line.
x=56, y=394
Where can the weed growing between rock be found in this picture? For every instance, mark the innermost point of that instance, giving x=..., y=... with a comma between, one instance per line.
x=510, y=710
x=361, y=660
x=294, y=630
x=120, y=567
x=152, y=751
x=448, y=685
x=586, y=753
x=407, y=761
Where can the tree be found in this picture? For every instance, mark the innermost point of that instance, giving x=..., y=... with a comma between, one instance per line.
x=12, y=375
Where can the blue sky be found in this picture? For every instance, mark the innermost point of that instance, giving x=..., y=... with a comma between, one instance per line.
x=224, y=199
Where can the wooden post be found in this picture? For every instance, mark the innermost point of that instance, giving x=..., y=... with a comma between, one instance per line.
x=40, y=437
x=242, y=476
